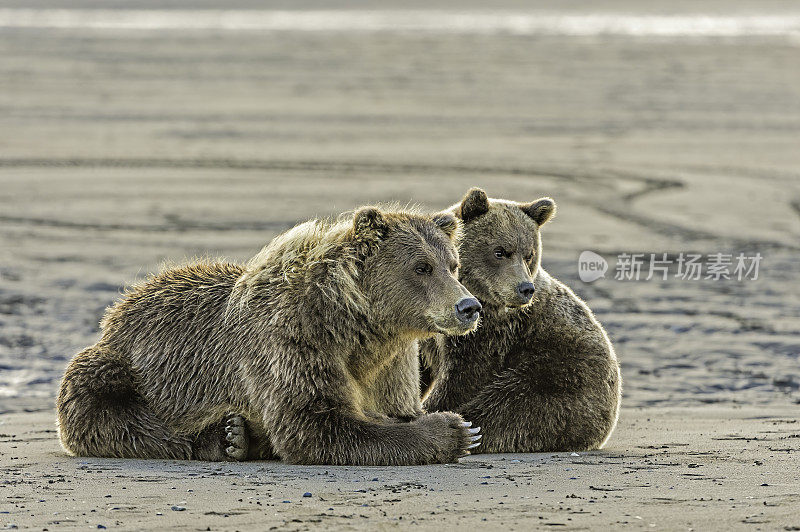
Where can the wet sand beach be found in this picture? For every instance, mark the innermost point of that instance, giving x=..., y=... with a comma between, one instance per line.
x=701, y=468
x=121, y=150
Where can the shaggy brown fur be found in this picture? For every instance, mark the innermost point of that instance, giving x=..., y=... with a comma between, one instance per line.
x=536, y=376
x=313, y=342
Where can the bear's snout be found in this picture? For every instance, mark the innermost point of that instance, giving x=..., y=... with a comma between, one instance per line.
x=468, y=309
x=525, y=292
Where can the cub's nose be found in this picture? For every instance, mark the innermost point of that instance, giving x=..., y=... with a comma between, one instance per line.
x=467, y=309
x=525, y=291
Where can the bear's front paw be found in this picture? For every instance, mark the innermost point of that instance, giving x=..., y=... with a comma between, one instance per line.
x=236, y=437
x=453, y=436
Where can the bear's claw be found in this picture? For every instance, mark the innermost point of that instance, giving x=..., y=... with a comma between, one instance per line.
x=472, y=439
x=236, y=434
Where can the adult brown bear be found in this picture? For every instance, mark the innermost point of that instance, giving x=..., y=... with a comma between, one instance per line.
x=313, y=342
x=540, y=374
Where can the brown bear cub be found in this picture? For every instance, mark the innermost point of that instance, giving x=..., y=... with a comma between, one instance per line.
x=313, y=343
x=540, y=373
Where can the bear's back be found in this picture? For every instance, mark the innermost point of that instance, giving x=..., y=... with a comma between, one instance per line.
x=184, y=302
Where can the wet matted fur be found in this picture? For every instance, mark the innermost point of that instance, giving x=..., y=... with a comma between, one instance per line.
x=541, y=376
x=313, y=342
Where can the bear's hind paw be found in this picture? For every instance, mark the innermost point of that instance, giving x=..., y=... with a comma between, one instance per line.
x=236, y=435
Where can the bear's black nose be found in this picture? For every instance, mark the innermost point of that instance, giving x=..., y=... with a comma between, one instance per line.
x=525, y=291
x=467, y=309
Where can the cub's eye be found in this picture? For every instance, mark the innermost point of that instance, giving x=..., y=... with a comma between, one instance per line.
x=500, y=253
x=454, y=267
x=423, y=269
x=529, y=257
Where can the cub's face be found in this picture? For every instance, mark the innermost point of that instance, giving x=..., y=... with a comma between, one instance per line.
x=501, y=249
x=412, y=276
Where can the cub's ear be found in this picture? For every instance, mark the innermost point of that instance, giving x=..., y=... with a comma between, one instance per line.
x=370, y=222
x=540, y=210
x=473, y=205
x=447, y=223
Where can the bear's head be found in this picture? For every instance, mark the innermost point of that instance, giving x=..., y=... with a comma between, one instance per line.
x=410, y=272
x=501, y=248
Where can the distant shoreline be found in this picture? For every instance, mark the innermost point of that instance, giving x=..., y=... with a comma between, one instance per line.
x=436, y=21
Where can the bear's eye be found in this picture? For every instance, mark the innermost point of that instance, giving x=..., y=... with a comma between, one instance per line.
x=529, y=257
x=453, y=267
x=500, y=252
x=423, y=269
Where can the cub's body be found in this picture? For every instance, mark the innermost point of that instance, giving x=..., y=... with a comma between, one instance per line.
x=540, y=373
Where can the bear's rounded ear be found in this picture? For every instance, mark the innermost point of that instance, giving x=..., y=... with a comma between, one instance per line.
x=474, y=204
x=540, y=210
x=447, y=223
x=369, y=221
